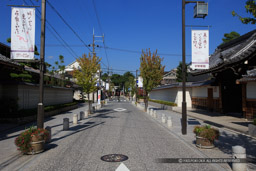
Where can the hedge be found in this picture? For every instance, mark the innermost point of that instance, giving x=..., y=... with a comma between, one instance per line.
x=31, y=112
x=163, y=102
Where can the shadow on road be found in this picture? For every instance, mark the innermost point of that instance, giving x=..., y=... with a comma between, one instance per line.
x=18, y=128
x=50, y=146
x=78, y=128
x=226, y=141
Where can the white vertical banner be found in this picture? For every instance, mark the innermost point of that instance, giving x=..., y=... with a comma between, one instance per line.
x=140, y=81
x=107, y=86
x=200, y=49
x=22, y=33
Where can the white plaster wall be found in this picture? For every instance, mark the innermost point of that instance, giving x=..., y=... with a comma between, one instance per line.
x=58, y=96
x=188, y=97
x=95, y=97
x=164, y=94
x=77, y=95
x=28, y=96
x=172, y=95
x=91, y=96
x=203, y=91
x=199, y=92
x=251, y=90
x=216, y=92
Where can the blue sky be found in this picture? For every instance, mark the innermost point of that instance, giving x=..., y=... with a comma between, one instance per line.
x=130, y=25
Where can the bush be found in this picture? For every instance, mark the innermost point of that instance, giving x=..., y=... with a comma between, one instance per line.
x=141, y=97
x=31, y=112
x=207, y=132
x=24, y=139
x=163, y=102
x=51, y=108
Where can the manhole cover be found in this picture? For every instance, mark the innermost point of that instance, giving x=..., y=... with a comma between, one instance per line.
x=119, y=109
x=114, y=158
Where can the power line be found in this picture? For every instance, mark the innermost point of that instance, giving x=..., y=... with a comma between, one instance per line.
x=134, y=51
x=121, y=50
x=68, y=25
x=64, y=44
x=119, y=70
x=98, y=19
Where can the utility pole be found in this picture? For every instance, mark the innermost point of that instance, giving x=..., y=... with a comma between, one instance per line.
x=136, y=86
x=99, y=91
x=93, y=53
x=93, y=43
x=108, y=82
x=40, y=107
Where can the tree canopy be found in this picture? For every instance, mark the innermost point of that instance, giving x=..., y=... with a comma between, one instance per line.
x=250, y=7
x=230, y=36
x=151, y=70
x=129, y=82
x=117, y=80
x=104, y=77
x=85, y=75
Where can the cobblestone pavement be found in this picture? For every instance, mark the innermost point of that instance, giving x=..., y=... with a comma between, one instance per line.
x=117, y=128
x=227, y=139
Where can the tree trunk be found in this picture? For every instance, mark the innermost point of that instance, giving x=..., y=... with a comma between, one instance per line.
x=146, y=102
x=89, y=104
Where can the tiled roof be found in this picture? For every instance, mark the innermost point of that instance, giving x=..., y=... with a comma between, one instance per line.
x=8, y=60
x=188, y=84
x=229, y=53
x=250, y=76
x=250, y=73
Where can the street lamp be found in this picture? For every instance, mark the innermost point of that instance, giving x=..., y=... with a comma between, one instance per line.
x=200, y=11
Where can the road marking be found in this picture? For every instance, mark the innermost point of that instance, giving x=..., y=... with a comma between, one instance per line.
x=122, y=167
x=119, y=109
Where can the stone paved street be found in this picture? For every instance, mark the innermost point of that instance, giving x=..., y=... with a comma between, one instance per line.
x=129, y=132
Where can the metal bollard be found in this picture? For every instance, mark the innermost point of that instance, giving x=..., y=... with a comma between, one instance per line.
x=239, y=153
x=86, y=114
x=93, y=109
x=65, y=124
x=169, y=121
x=75, y=119
x=163, y=118
x=81, y=115
x=49, y=129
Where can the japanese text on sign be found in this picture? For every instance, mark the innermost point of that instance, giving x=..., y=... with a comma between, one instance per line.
x=23, y=33
x=200, y=49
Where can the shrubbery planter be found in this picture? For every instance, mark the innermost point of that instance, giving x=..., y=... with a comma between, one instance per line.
x=37, y=145
x=205, y=136
x=204, y=142
x=32, y=140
